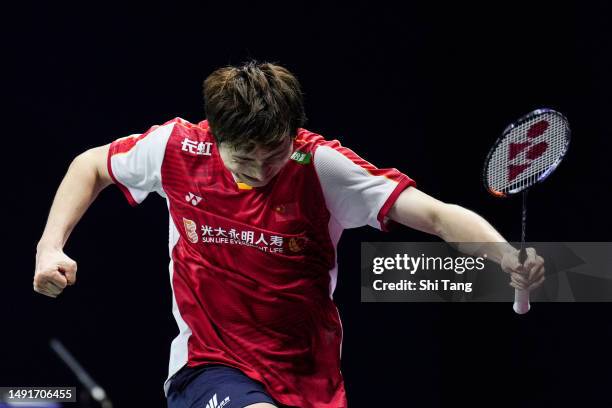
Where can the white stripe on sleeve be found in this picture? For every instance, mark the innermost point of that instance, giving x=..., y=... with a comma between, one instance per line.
x=353, y=195
x=139, y=168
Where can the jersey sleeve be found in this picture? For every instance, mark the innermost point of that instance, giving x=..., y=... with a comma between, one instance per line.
x=356, y=192
x=134, y=162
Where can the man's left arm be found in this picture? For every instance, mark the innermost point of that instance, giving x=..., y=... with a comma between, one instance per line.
x=453, y=223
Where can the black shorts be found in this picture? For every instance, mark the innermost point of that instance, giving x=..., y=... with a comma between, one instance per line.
x=215, y=386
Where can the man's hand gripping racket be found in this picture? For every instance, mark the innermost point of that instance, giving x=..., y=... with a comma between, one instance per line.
x=527, y=152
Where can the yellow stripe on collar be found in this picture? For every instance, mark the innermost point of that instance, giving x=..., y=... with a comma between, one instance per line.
x=243, y=186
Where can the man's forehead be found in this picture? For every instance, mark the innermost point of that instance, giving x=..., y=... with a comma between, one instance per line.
x=260, y=149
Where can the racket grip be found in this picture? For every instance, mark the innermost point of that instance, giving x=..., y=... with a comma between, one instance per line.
x=521, y=301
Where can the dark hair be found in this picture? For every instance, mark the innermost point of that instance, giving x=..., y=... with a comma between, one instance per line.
x=254, y=104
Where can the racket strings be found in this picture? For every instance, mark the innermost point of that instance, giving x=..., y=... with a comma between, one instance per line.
x=528, y=153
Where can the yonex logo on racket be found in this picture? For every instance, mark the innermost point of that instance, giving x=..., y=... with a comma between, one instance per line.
x=521, y=155
x=527, y=152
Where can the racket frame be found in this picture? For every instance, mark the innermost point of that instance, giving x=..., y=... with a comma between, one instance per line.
x=507, y=130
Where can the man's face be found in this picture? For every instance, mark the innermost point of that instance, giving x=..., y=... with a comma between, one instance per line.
x=258, y=166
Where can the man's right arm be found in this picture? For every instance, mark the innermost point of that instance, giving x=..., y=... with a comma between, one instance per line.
x=86, y=177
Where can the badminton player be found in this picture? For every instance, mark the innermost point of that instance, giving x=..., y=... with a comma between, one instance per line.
x=256, y=205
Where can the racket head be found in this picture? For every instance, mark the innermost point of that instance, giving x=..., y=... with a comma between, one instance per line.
x=527, y=152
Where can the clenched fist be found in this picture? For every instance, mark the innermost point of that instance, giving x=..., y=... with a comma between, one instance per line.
x=526, y=276
x=54, y=271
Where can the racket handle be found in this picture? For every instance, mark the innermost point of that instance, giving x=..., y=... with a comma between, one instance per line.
x=521, y=301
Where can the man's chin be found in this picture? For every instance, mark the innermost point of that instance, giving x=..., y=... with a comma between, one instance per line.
x=256, y=184
x=253, y=183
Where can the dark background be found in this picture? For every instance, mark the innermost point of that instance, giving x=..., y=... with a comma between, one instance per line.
x=425, y=87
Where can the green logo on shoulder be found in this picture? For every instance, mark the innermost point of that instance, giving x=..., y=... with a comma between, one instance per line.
x=301, y=157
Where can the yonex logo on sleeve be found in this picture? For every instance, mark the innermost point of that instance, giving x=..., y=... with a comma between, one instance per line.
x=212, y=403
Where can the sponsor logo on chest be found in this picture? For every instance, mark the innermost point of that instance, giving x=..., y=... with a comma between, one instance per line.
x=196, y=148
x=207, y=234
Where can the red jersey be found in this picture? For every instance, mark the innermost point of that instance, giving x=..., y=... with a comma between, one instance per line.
x=253, y=270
